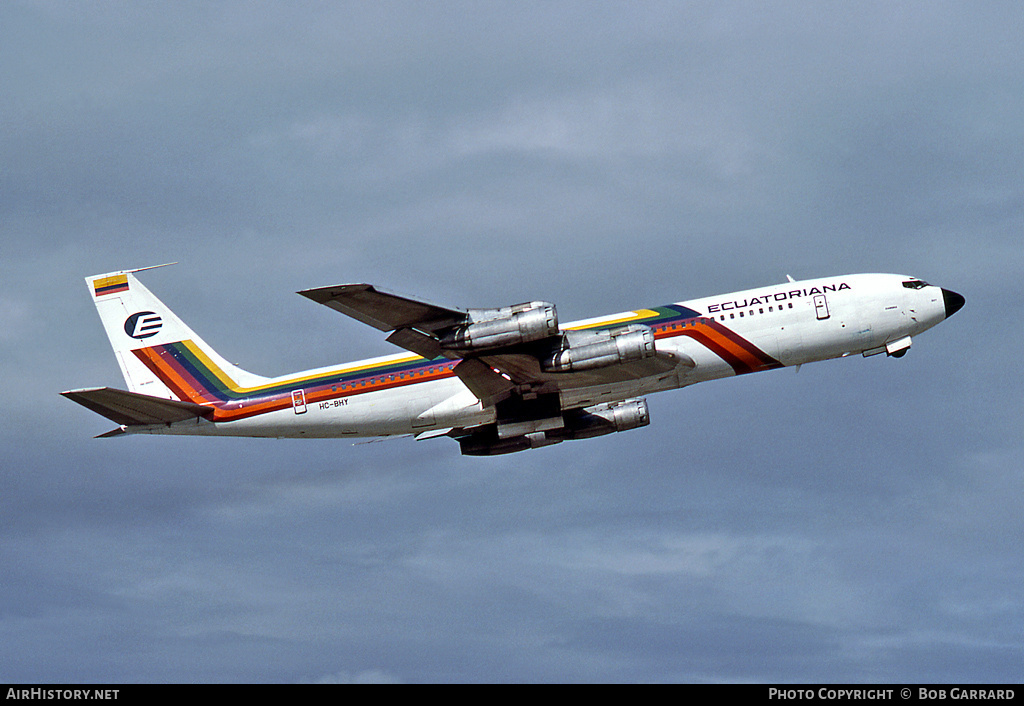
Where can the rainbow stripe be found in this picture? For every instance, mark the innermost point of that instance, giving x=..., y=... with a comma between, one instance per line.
x=110, y=285
x=675, y=320
x=192, y=375
x=742, y=355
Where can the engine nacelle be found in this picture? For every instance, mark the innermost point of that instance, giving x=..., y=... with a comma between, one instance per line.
x=508, y=326
x=615, y=347
x=625, y=415
x=607, y=418
x=579, y=424
x=488, y=443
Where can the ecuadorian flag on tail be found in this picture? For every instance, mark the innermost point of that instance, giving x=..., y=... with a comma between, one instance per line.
x=110, y=285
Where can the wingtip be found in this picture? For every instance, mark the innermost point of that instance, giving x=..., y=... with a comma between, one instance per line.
x=120, y=431
x=324, y=294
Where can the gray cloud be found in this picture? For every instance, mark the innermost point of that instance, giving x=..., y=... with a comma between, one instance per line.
x=859, y=521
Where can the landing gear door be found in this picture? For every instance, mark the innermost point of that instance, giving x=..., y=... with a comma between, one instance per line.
x=821, y=307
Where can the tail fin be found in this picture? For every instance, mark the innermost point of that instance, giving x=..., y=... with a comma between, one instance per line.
x=148, y=337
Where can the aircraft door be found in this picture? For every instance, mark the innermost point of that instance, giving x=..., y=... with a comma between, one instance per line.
x=821, y=307
x=299, y=401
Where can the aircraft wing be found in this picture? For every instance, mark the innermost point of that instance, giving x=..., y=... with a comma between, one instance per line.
x=411, y=321
x=525, y=368
x=490, y=370
x=492, y=377
x=387, y=312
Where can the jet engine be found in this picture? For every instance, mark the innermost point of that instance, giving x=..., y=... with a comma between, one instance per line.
x=583, y=423
x=606, y=418
x=600, y=349
x=486, y=329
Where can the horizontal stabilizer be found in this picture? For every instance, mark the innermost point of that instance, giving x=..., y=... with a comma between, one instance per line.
x=132, y=408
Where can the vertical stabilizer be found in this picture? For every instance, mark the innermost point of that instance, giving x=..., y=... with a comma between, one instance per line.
x=136, y=321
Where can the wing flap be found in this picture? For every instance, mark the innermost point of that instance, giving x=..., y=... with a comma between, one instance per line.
x=489, y=386
x=419, y=343
x=525, y=369
x=131, y=408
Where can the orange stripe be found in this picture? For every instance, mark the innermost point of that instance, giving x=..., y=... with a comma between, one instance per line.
x=170, y=377
x=742, y=353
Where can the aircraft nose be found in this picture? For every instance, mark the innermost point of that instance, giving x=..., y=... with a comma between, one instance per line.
x=954, y=302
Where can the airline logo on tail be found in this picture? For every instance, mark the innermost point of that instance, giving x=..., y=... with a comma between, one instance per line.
x=143, y=324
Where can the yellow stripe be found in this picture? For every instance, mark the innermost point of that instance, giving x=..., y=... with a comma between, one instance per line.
x=396, y=361
x=213, y=368
x=230, y=384
x=623, y=318
x=110, y=281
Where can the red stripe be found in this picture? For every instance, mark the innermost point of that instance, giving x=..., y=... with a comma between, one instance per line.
x=112, y=289
x=741, y=355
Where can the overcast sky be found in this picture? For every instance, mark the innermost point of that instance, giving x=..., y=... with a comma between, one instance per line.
x=859, y=521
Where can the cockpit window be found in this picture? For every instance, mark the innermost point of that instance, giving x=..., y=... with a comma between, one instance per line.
x=915, y=284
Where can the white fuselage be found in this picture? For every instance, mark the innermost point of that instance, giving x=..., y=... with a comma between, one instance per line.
x=782, y=325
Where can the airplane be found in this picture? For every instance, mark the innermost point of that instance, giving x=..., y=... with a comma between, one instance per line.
x=496, y=380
